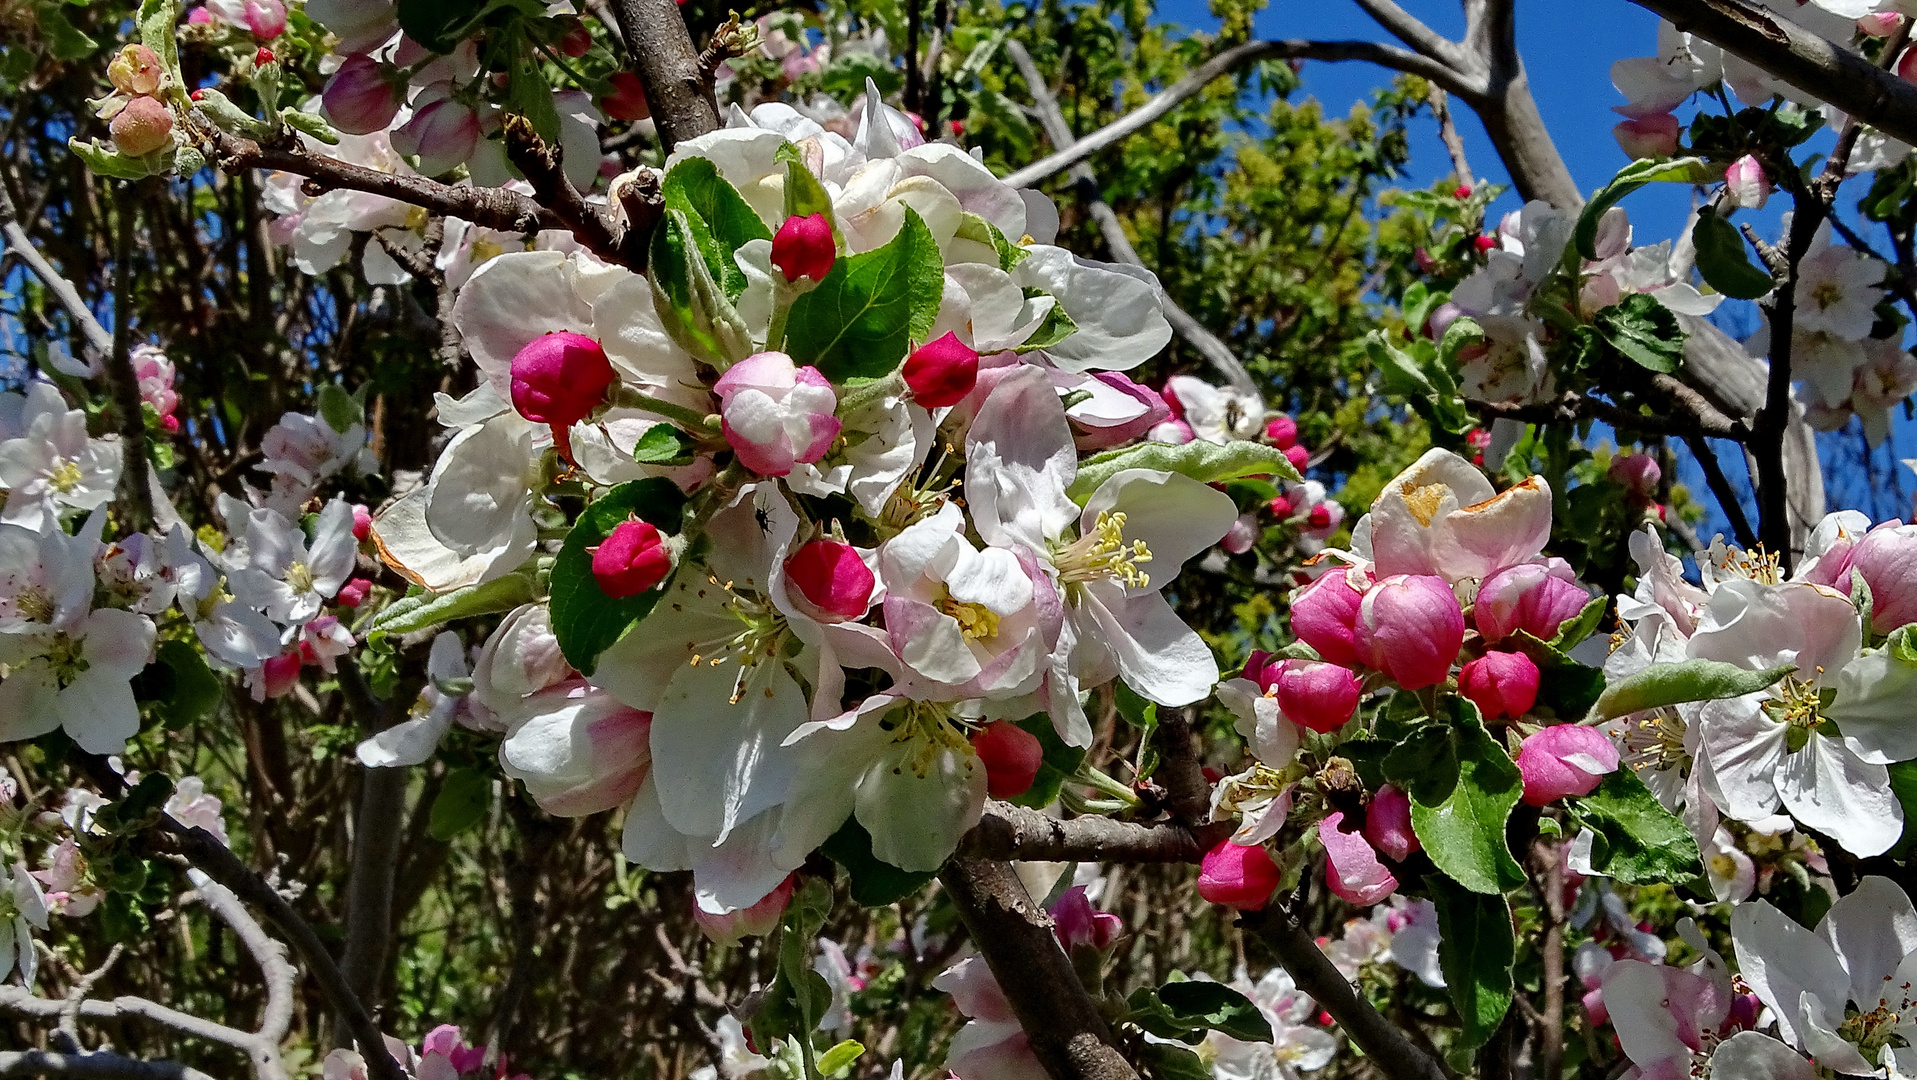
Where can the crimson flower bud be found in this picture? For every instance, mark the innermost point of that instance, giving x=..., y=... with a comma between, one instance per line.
x=1410, y=626
x=832, y=577
x=1238, y=877
x=1463, y=191
x=1502, y=685
x=1281, y=506
x=362, y=522
x=1011, y=756
x=560, y=378
x=631, y=559
x=262, y=57
x=941, y=372
x=1388, y=824
x=1324, y=614
x=1484, y=242
x=278, y=676
x=142, y=127
x=1282, y=432
x=1320, y=696
x=804, y=248
x=353, y=593
x=136, y=70
x=627, y=99
x=1568, y=759
x=576, y=41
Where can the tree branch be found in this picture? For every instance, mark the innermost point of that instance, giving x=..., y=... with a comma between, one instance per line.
x=1224, y=64
x=95, y=1066
x=1721, y=487
x=1394, y=1054
x=660, y=50
x=1407, y=28
x=1016, y=833
x=1068, y=1034
x=22, y=247
x=1060, y=133
x=1448, y=134
x=541, y=165
x=1801, y=58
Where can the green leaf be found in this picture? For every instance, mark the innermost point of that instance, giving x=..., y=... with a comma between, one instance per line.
x=873, y=883
x=530, y=95
x=159, y=22
x=1644, y=843
x=1723, y=260
x=1574, y=630
x=413, y=613
x=461, y=803
x=195, y=691
x=1056, y=328
x=1674, y=684
x=720, y=219
x=1205, y=462
x=1645, y=331
x=861, y=320
x=1688, y=170
x=1169, y=1061
x=1055, y=768
x=1476, y=948
x=440, y=24
x=1430, y=388
x=311, y=125
x=64, y=40
x=693, y=307
x=804, y=195
x=105, y=161
x=1461, y=798
x=584, y=619
x=975, y=228
x=1216, y=1007
x=338, y=408
x=839, y=1059
x=1903, y=782
x=663, y=444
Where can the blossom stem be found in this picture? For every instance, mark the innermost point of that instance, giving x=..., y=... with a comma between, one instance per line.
x=782, y=298
x=699, y=424
x=1098, y=781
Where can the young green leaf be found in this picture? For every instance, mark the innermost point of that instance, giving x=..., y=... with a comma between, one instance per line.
x=461, y=803
x=1206, y=462
x=719, y=217
x=873, y=882
x=1643, y=842
x=1687, y=170
x=1476, y=948
x=584, y=619
x=1674, y=684
x=862, y=319
x=1645, y=331
x=1461, y=798
x=414, y=613
x=1722, y=259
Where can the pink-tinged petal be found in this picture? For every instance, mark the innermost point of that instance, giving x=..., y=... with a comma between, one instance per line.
x=825, y=428
x=1563, y=760
x=766, y=371
x=1352, y=868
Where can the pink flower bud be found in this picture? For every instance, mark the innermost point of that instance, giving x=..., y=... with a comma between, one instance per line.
x=1352, y=869
x=832, y=577
x=360, y=98
x=1463, y=191
x=1324, y=614
x=631, y=559
x=1502, y=685
x=1534, y=597
x=279, y=675
x=1261, y=669
x=1747, y=184
x=1320, y=696
x=1441, y=320
x=171, y=423
x=776, y=415
x=560, y=378
x=941, y=372
x=1484, y=242
x=1011, y=756
x=1907, y=65
x=142, y=127
x=1076, y=922
x=1568, y=759
x=1170, y=433
x=362, y=522
x=1410, y=627
x=627, y=99
x=576, y=41
x=1239, y=877
x=1282, y=432
x=442, y=132
x=199, y=16
x=1639, y=473
x=1281, y=506
x=804, y=248
x=265, y=18
x=1594, y=1006
x=1388, y=824
x=756, y=921
x=1241, y=536
x=136, y=70
x=1887, y=558
x=1324, y=516
x=353, y=593
x=1879, y=24
x=1299, y=457
x=1648, y=137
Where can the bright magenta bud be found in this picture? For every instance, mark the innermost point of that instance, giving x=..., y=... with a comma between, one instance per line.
x=1281, y=506
x=142, y=127
x=353, y=593
x=1011, y=756
x=1907, y=65
x=1238, y=877
x=265, y=18
x=1388, y=824
x=1879, y=24
x=1352, y=868
x=1320, y=696
x=1568, y=759
x=360, y=99
x=1299, y=457
x=756, y=921
x=1534, y=597
x=627, y=99
x=630, y=560
x=560, y=378
x=1076, y=922
x=1324, y=614
x=278, y=675
x=804, y=248
x=1648, y=136
x=1410, y=627
x=1320, y=516
x=1503, y=685
x=1484, y=242
x=262, y=56
x=362, y=522
x=832, y=577
x=941, y=372
x=1463, y=191
x=136, y=70
x=1281, y=432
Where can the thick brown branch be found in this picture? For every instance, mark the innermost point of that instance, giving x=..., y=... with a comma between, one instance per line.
x=1067, y=1032
x=541, y=165
x=1691, y=414
x=1801, y=58
x=1013, y=832
x=660, y=51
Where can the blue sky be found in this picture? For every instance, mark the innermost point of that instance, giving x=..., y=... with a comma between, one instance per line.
x=1568, y=62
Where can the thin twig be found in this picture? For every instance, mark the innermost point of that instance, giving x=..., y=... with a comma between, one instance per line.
x=1448, y=133
x=1721, y=487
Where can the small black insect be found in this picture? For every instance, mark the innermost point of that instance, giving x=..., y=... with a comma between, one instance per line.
x=764, y=519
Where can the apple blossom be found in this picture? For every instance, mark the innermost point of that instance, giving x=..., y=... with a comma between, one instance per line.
x=1324, y=614
x=1214, y=414
x=1352, y=869
x=1565, y=759
x=941, y=372
x=52, y=469
x=1320, y=696
x=1746, y=184
x=1388, y=824
x=1281, y=431
x=833, y=577
x=361, y=97
x=1886, y=558
x=136, y=70
x=1076, y=923
x=992, y=1045
x=1011, y=756
x=727, y=928
x=1410, y=627
x=1503, y=685
x=1653, y=136
x=1242, y=877
x=1297, y=1045
x=577, y=749
x=803, y=247
x=776, y=414
x=266, y=19
x=1639, y=473
x=630, y=560
x=1535, y=597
